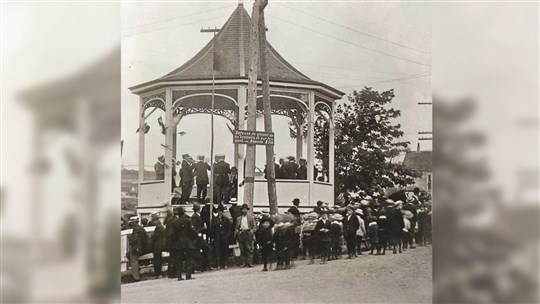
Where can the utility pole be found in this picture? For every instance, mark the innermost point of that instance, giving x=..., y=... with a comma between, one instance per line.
x=252, y=105
x=267, y=111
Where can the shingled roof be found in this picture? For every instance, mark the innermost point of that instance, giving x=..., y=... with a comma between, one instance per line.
x=420, y=161
x=232, y=43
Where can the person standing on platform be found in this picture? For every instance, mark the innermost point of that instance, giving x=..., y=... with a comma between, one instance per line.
x=182, y=243
x=222, y=182
x=289, y=169
x=221, y=227
x=157, y=244
x=137, y=246
x=301, y=173
x=244, y=232
x=186, y=178
x=159, y=168
x=201, y=169
x=350, y=227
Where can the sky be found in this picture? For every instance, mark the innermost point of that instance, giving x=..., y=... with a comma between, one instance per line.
x=345, y=45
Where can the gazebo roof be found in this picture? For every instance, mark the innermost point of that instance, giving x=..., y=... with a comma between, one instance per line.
x=232, y=45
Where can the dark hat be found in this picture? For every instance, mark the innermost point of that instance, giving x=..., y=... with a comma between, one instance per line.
x=196, y=207
x=319, y=203
x=186, y=156
x=179, y=210
x=221, y=208
x=245, y=206
x=296, y=201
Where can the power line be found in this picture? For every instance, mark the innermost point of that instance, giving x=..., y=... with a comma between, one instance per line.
x=351, y=43
x=355, y=30
x=424, y=74
x=167, y=27
x=175, y=18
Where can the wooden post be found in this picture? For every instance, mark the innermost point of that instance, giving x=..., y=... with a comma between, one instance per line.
x=252, y=105
x=267, y=110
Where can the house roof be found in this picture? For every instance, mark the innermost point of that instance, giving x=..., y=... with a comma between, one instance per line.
x=232, y=44
x=420, y=161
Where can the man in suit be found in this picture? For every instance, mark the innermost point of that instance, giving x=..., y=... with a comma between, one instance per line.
x=201, y=169
x=350, y=227
x=137, y=246
x=235, y=211
x=265, y=238
x=201, y=247
x=157, y=243
x=289, y=169
x=294, y=209
x=244, y=232
x=301, y=173
x=182, y=243
x=186, y=177
x=221, y=179
x=221, y=227
x=395, y=224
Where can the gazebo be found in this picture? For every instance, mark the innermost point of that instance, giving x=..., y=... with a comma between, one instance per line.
x=188, y=90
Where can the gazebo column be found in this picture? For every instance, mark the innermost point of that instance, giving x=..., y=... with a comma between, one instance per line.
x=331, y=162
x=141, y=141
x=169, y=133
x=310, y=149
x=240, y=149
x=299, y=139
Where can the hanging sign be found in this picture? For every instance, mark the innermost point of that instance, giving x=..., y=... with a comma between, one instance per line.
x=253, y=137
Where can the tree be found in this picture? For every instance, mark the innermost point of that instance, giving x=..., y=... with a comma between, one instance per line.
x=366, y=142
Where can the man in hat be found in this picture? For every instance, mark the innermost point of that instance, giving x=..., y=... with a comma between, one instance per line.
x=201, y=247
x=201, y=169
x=244, y=232
x=221, y=228
x=182, y=245
x=350, y=226
x=235, y=211
x=408, y=205
x=137, y=245
x=294, y=209
x=186, y=177
x=157, y=243
x=301, y=172
x=205, y=213
x=221, y=179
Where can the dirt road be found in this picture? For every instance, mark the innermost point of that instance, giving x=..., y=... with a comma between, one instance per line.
x=392, y=278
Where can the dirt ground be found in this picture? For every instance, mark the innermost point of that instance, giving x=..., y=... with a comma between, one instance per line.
x=392, y=278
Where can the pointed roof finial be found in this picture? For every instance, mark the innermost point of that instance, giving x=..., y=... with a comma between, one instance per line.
x=240, y=2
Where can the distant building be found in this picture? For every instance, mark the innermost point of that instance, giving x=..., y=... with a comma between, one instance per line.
x=421, y=161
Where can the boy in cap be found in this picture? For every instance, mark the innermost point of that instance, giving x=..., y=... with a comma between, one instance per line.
x=294, y=209
x=265, y=238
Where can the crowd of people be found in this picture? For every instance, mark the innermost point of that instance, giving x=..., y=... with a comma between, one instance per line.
x=202, y=242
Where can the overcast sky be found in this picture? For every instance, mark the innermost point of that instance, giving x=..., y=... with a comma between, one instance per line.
x=345, y=45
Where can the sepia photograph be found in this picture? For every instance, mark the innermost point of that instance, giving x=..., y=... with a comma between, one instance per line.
x=275, y=153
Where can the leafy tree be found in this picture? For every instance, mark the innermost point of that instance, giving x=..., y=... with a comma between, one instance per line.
x=366, y=142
